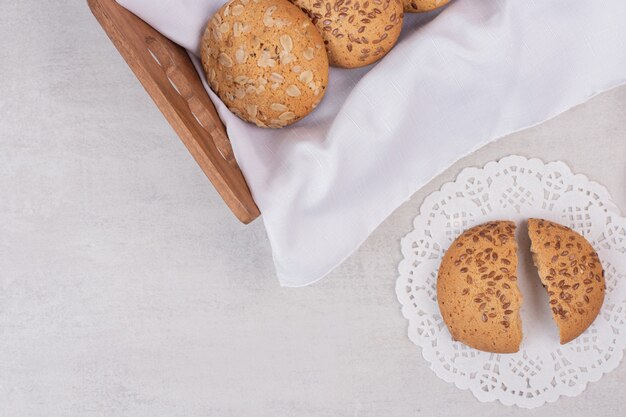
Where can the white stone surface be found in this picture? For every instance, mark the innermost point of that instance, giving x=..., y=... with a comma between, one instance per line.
x=128, y=289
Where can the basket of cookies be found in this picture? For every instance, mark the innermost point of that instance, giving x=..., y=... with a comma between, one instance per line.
x=325, y=116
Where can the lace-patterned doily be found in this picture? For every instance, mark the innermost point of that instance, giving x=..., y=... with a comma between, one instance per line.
x=516, y=188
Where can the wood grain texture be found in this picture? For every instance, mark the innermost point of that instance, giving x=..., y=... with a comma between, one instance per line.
x=168, y=75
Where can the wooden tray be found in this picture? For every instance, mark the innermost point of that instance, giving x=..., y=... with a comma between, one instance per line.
x=167, y=74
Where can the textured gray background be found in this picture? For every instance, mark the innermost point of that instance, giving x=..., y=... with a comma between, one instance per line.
x=128, y=289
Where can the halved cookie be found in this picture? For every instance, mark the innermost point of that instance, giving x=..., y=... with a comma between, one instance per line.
x=571, y=271
x=477, y=288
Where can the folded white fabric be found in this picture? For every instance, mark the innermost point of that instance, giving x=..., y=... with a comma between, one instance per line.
x=478, y=71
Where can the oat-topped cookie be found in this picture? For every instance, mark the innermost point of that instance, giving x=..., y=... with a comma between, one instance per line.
x=477, y=288
x=265, y=60
x=420, y=6
x=356, y=32
x=571, y=271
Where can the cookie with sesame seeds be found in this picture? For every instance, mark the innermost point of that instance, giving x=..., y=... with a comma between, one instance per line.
x=477, y=290
x=572, y=274
x=265, y=60
x=356, y=32
x=421, y=6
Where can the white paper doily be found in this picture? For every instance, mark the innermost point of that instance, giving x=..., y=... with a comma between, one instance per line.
x=516, y=188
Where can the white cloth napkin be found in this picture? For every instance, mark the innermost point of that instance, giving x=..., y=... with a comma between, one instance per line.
x=478, y=71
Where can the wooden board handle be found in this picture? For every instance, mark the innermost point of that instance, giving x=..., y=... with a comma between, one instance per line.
x=168, y=75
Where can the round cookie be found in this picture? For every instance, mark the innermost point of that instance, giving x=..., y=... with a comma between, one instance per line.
x=571, y=271
x=477, y=288
x=265, y=60
x=420, y=6
x=356, y=32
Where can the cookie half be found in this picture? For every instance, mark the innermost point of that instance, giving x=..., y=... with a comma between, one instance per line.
x=356, y=32
x=265, y=60
x=477, y=288
x=571, y=272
